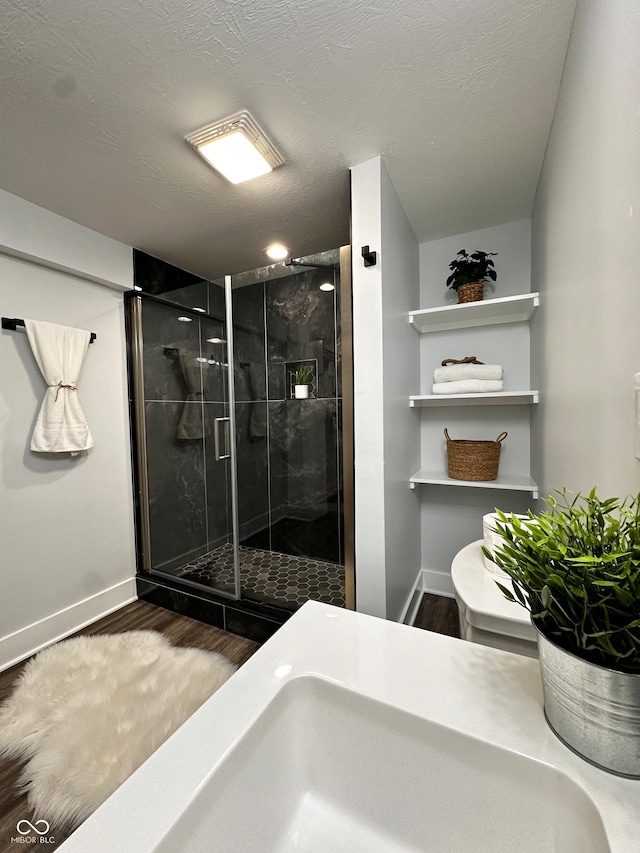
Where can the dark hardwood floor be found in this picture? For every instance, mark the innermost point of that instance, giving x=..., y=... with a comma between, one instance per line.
x=439, y=614
x=434, y=614
x=181, y=631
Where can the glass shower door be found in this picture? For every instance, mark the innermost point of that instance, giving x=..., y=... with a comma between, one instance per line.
x=184, y=439
x=288, y=326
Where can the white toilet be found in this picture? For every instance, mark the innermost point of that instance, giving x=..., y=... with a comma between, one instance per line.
x=486, y=616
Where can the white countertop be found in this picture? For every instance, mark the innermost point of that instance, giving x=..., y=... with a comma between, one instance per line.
x=491, y=695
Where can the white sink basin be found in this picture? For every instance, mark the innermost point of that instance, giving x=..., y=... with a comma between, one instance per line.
x=325, y=769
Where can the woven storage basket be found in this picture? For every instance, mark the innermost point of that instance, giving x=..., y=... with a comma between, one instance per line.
x=471, y=292
x=473, y=460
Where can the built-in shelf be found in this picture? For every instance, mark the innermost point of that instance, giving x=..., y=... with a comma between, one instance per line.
x=487, y=312
x=510, y=482
x=501, y=398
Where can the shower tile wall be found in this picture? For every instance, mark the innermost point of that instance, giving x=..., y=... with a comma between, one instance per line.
x=251, y=409
x=185, y=390
x=288, y=455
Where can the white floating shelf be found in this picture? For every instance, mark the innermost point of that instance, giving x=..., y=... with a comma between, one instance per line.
x=502, y=398
x=511, y=482
x=487, y=312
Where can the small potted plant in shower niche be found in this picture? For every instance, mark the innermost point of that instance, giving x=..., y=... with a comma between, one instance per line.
x=469, y=273
x=303, y=376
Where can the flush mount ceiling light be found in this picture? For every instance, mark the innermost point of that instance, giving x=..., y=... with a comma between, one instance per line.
x=216, y=341
x=236, y=147
x=185, y=319
x=277, y=252
x=327, y=286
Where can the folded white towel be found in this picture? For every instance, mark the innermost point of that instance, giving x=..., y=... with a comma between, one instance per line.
x=455, y=372
x=469, y=386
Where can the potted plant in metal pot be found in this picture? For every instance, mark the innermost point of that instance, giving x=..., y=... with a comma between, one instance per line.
x=576, y=568
x=469, y=273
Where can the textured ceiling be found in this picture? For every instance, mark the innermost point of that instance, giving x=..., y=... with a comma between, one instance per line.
x=96, y=97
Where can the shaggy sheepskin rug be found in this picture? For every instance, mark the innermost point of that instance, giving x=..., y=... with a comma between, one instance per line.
x=88, y=711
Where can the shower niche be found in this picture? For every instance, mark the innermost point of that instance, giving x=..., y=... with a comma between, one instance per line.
x=245, y=497
x=301, y=379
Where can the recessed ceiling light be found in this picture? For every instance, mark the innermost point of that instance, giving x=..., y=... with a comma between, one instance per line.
x=327, y=286
x=137, y=287
x=201, y=310
x=236, y=147
x=277, y=252
x=216, y=341
x=203, y=360
x=185, y=319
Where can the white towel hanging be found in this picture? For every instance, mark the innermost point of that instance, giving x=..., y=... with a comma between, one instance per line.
x=61, y=426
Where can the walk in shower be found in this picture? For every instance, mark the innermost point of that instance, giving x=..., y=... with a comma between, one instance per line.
x=244, y=486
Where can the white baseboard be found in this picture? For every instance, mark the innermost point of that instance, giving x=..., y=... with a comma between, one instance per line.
x=30, y=639
x=438, y=583
x=435, y=583
x=409, y=611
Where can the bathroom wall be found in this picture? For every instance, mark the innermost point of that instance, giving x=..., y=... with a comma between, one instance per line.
x=586, y=234
x=66, y=524
x=289, y=468
x=386, y=369
x=451, y=516
x=401, y=371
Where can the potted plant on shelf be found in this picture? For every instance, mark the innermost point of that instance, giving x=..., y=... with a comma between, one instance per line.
x=303, y=376
x=576, y=568
x=470, y=271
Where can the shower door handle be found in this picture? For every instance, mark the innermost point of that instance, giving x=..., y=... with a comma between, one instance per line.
x=216, y=438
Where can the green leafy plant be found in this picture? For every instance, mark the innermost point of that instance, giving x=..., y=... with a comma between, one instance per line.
x=303, y=374
x=576, y=568
x=468, y=268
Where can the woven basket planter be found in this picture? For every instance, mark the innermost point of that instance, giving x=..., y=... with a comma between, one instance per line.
x=473, y=460
x=471, y=292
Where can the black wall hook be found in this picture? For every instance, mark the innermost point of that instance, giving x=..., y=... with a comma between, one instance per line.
x=369, y=257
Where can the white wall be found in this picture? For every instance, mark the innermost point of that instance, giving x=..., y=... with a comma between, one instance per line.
x=385, y=370
x=366, y=229
x=66, y=523
x=512, y=242
x=401, y=366
x=451, y=516
x=31, y=233
x=586, y=239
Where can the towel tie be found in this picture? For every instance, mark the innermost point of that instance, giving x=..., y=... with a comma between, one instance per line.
x=62, y=385
x=470, y=359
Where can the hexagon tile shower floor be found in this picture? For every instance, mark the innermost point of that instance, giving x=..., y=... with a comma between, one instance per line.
x=282, y=579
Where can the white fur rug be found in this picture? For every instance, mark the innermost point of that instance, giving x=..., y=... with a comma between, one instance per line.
x=88, y=711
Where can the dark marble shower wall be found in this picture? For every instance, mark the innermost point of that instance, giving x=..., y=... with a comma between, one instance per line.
x=158, y=278
x=251, y=409
x=185, y=389
x=288, y=449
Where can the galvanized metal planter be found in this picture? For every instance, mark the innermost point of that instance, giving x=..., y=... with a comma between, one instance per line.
x=595, y=711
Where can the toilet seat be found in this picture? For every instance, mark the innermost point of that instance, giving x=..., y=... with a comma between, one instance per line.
x=486, y=616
